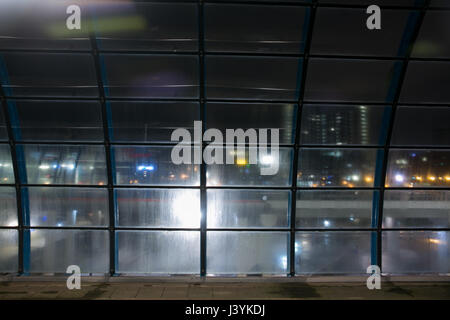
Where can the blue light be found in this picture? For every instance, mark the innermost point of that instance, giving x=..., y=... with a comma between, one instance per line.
x=44, y=218
x=146, y=168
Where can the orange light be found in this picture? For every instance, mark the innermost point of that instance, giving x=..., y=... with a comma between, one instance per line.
x=368, y=179
x=344, y=183
x=435, y=241
x=350, y=185
x=447, y=178
x=183, y=176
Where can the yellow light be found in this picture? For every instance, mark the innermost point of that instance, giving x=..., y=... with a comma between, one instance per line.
x=241, y=162
x=440, y=178
x=419, y=178
x=435, y=241
x=447, y=178
x=432, y=178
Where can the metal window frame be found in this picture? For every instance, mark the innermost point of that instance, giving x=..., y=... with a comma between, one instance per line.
x=201, y=100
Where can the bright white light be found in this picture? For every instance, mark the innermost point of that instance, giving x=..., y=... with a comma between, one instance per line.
x=355, y=178
x=44, y=167
x=326, y=223
x=284, y=262
x=59, y=224
x=267, y=160
x=399, y=178
x=69, y=166
x=186, y=210
x=55, y=166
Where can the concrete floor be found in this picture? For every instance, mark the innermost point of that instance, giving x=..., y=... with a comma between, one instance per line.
x=226, y=289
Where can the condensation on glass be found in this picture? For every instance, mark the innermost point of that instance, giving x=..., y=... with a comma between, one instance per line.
x=6, y=167
x=158, y=252
x=242, y=173
x=416, y=209
x=63, y=164
x=242, y=252
x=152, y=165
x=333, y=252
x=8, y=208
x=53, y=250
x=67, y=207
x=338, y=167
x=416, y=252
x=9, y=252
x=248, y=208
x=343, y=209
x=158, y=208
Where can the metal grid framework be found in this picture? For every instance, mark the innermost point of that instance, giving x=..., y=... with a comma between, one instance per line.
x=112, y=228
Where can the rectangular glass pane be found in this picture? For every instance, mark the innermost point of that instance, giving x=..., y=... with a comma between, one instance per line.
x=152, y=166
x=252, y=77
x=418, y=168
x=242, y=173
x=344, y=124
x=49, y=74
x=406, y=3
x=151, y=76
x=9, y=250
x=339, y=31
x=159, y=252
x=67, y=207
x=151, y=121
x=416, y=209
x=434, y=37
x=3, y=129
x=426, y=82
x=349, y=80
x=54, y=250
x=251, y=28
x=338, y=167
x=248, y=208
x=6, y=167
x=41, y=120
x=416, y=252
x=333, y=252
x=130, y=25
x=8, y=208
x=31, y=24
x=159, y=208
x=64, y=164
x=224, y=116
x=421, y=126
x=239, y=252
x=324, y=209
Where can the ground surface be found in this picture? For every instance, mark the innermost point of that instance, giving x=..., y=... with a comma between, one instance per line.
x=222, y=290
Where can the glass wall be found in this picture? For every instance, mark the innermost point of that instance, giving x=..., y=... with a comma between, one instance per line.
x=86, y=119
